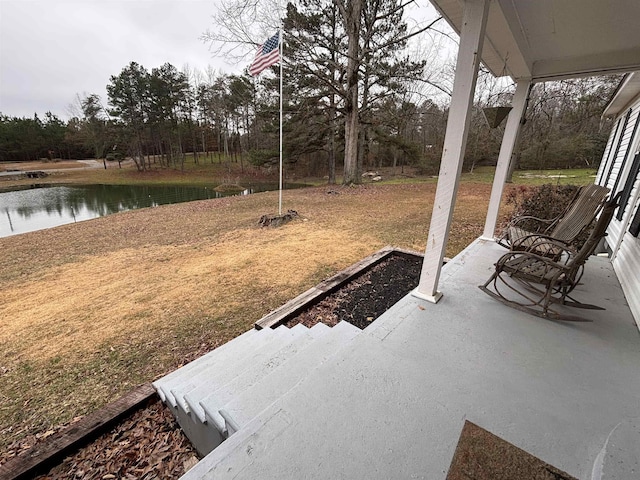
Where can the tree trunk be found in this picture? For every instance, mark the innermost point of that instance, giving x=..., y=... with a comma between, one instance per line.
x=363, y=134
x=137, y=156
x=352, y=16
x=333, y=130
x=395, y=160
x=332, y=141
x=181, y=153
x=515, y=160
x=196, y=160
x=204, y=145
x=227, y=159
x=361, y=143
x=351, y=144
x=241, y=157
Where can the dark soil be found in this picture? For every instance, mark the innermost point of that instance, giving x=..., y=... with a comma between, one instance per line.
x=366, y=297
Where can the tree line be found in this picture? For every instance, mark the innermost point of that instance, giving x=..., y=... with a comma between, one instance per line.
x=358, y=94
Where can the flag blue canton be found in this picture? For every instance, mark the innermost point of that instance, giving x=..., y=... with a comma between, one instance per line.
x=270, y=44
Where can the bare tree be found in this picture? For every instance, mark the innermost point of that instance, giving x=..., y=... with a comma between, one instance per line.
x=241, y=25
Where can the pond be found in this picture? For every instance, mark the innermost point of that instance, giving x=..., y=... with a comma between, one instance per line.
x=39, y=207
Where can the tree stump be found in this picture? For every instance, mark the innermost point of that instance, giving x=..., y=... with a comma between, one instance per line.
x=277, y=220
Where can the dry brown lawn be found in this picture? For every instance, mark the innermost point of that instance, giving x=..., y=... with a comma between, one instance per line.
x=90, y=310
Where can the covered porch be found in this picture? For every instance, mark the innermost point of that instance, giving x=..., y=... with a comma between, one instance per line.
x=393, y=403
x=530, y=42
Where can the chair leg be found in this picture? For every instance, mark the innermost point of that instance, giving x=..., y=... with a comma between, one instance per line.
x=539, y=308
x=491, y=278
x=546, y=301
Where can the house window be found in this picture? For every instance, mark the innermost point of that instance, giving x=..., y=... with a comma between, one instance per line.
x=615, y=155
x=609, y=153
x=626, y=157
x=628, y=186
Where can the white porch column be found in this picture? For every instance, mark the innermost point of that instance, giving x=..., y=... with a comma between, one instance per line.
x=509, y=141
x=455, y=141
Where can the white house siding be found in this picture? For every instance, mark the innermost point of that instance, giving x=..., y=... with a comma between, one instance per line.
x=626, y=264
x=621, y=158
x=615, y=168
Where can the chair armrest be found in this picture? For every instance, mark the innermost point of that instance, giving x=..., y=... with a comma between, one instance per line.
x=549, y=263
x=545, y=245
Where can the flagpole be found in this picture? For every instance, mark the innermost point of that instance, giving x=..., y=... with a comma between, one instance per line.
x=281, y=46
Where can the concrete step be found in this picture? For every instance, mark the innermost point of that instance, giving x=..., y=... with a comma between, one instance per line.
x=270, y=421
x=218, y=371
x=250, y=376
x=236, y=452
x=238, y=351
x=208, y=381
x=248, y=404
x=176, y=373
x=245, y=342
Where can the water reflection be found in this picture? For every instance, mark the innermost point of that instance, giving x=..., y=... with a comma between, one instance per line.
x=33, y=209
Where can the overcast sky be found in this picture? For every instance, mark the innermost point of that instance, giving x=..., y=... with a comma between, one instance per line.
x=51, y=50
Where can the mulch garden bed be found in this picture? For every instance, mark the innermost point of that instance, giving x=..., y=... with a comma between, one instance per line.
x=366, y=297
x=149, y=443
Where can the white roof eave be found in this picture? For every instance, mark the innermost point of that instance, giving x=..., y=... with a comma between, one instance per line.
x=626, y=94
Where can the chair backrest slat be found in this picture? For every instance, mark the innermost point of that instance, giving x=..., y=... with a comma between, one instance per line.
x=581, y=213
x=597, y=234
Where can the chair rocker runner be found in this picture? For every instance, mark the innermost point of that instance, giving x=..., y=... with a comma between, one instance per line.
x=542, y=281
x=565, y=228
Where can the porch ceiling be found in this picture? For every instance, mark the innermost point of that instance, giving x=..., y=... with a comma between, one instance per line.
x=554, y=39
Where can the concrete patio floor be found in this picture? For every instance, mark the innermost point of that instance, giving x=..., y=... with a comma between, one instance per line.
x=393, y=404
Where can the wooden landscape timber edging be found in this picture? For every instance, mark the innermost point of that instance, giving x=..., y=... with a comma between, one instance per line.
x=325, y=288
x=43, y=456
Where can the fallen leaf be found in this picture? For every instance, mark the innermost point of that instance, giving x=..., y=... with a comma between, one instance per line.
x=189, y=463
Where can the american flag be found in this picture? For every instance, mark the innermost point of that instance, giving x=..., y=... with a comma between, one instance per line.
x=267, y=55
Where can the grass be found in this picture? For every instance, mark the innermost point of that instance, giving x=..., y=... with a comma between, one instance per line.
x=90, y=310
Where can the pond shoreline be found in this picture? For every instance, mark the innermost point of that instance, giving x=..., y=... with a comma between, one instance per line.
x=26, y=209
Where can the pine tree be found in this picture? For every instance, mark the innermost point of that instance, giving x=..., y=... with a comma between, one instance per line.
x=129, y=97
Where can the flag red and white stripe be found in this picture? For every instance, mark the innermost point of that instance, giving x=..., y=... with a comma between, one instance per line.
x=268, y=54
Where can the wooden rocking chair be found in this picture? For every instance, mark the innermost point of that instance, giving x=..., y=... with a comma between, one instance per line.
x=547, y=281
x=565, y=228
